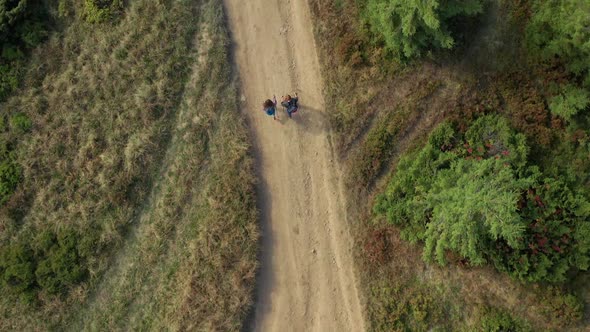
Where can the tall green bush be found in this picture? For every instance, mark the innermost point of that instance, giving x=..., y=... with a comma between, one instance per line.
x=555, y=238
x=51, y=263
x=410, y=27
x=559, y=30
x=472, y=202
x=11, y=11
x=59, y=264
x=475, y=194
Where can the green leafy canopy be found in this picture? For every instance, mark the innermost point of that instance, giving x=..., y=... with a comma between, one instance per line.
x=561, y=30
x=475, y=195
x=408, y=28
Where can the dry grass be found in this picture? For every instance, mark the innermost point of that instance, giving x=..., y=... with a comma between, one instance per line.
x=387, y=111
x=137, y=140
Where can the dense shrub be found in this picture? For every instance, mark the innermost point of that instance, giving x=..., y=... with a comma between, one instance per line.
x=473, y=202
x=8, y=80
x=96, y=11
x=475, y=194
x=10, y=174
x=21, y=28
x=20, y=123
x=60, y=265
x=568, y=159
x=559, y=29
x=570, y=101
x=17, y=267
x=562, y=307
x=52, y=263
x=494, y=320
x=408, y=28
x=10, y=170
x=411, y=306
x=556, y=222
x=11, y=11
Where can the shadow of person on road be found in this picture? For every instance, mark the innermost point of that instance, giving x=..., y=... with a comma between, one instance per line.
x=311, y=119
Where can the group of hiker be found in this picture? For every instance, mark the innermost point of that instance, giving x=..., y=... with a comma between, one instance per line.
x=289, y=103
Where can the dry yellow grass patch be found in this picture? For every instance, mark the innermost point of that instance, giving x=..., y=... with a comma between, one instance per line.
x=138, y=146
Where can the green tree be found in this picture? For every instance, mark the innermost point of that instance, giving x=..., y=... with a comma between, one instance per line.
x=408, y=27
x=557, y=236
x=473, y=203
x=476, y=194
x=11, y=11
x=570, y=101
x=559, y=29
x=404, y=202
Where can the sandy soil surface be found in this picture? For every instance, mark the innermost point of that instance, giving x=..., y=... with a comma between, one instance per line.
x=307, y=280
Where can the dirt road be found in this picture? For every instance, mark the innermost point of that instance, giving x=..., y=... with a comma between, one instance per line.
x=307, y=281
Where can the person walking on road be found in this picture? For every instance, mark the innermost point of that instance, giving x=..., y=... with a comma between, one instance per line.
x=270, y=107
x=290, y=104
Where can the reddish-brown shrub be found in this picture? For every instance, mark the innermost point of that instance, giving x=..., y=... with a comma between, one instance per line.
x=378, y=246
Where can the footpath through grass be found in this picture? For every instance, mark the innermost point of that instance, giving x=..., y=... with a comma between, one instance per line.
x=137, y=178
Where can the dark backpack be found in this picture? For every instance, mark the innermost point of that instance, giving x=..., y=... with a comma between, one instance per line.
x=293, y=103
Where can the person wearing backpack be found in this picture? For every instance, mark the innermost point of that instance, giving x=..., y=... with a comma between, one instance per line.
x=270, y=107
x=290, y=104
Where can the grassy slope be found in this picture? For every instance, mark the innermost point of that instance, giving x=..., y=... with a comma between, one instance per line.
x=389, y=110
x=137, y=141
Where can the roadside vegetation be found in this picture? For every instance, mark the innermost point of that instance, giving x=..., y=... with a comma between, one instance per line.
x=126, y=182
x=23, y=25
x=409, y=29
x=465, y=138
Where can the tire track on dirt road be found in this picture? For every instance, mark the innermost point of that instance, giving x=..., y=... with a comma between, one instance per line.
x=307, y=280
